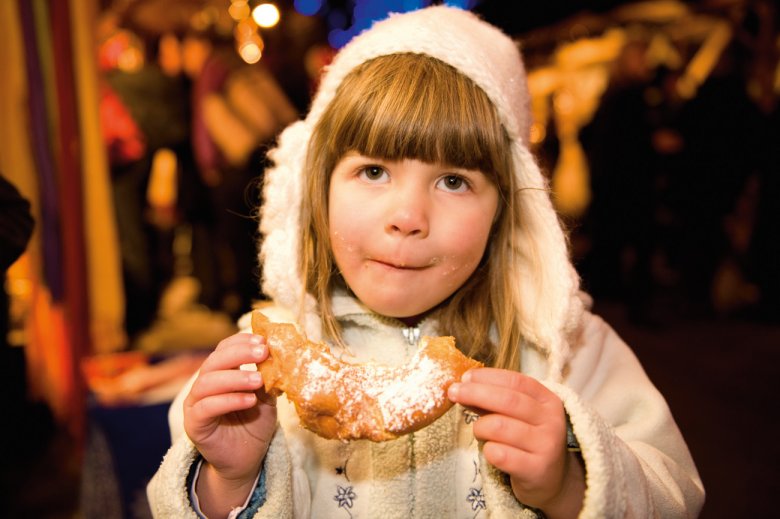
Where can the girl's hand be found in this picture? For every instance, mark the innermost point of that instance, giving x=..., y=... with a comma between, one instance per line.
x=523, y=425
x=231, y=420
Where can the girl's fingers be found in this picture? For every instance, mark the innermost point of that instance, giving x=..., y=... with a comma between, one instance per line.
x=213, y=383
x=508, y=379
x=496, y=399
x=207, y=409
x=543, y=441
x=242, y=348
x=238, y=338
x=525, y=466
x=502, y=429
x=503, y=457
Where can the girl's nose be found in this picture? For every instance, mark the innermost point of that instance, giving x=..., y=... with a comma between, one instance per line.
x=408, y=215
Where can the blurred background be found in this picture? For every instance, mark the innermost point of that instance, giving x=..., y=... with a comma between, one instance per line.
x=133, y=136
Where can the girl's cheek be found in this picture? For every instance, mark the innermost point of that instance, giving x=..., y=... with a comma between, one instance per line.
x=340, y=241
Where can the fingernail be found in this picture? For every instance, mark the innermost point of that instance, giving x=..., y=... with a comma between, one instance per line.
x=255, y=377
x=258, y=351
x=466, y=377
x=453, y=391
x=255, y=340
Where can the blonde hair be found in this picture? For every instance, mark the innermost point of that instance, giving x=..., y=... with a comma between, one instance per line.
x=414, y=106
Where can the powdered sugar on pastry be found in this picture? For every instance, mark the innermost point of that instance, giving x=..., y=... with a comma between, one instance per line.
x=338, y=399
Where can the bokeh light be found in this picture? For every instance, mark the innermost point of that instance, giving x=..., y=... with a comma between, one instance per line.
x=308, y=7
x=239, y=9
x=266, y=15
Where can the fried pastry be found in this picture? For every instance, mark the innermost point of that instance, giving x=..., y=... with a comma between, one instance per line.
x=341, y=400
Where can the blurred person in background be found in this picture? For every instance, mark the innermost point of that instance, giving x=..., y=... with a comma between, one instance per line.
x=143, y=110
x=237, y=111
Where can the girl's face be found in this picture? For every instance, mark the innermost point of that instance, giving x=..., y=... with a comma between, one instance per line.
x=407, y=234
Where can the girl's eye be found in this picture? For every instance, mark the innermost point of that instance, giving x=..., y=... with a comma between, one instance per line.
x=454, y=183
x=373, y=173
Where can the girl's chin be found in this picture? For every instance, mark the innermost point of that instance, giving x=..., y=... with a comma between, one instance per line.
x=409, y=315
x=404, y=313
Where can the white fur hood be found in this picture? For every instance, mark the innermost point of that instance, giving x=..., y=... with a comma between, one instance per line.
x=547, y=282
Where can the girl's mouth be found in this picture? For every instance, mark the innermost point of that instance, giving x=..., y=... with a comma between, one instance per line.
x=406, y=265
x=397, y=265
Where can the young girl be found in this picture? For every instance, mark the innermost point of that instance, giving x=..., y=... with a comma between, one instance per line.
x=406, y=204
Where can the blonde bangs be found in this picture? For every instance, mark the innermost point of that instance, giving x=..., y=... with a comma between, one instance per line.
x=411, y=106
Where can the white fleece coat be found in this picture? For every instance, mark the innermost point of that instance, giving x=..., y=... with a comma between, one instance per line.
x=636, y=461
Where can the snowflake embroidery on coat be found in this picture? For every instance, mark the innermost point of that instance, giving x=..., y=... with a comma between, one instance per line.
x=477, y=500
x=345, y=497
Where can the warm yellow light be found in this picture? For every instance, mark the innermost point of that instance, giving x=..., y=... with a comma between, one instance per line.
x=239, y=9
x=564, y=102
x=538, y=133
x=266, y=15
x=130, y=60
x=250, y=52
x=161, y=191
x=245, y=29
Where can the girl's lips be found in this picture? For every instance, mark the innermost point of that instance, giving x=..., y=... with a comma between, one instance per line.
x=395, y=265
